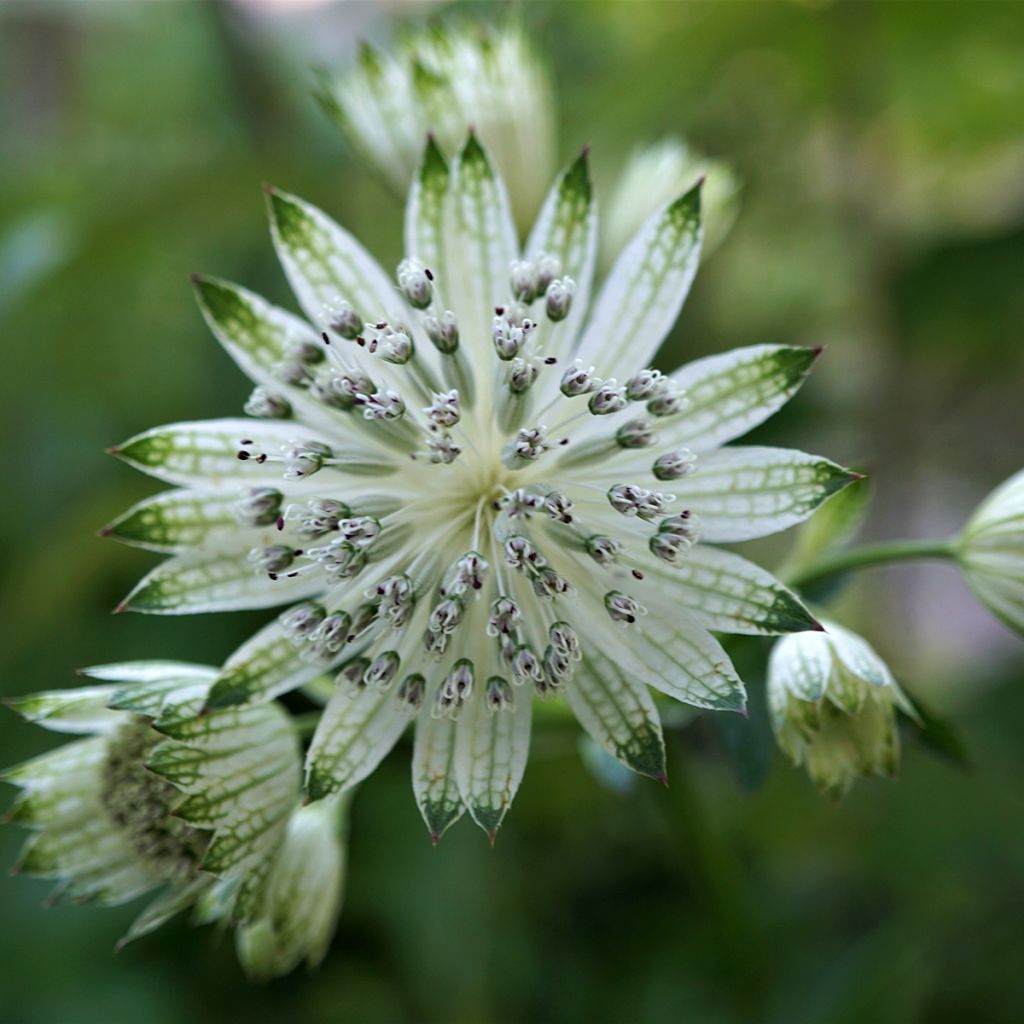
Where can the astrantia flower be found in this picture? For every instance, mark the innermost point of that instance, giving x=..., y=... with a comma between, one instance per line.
x=446, y=80
x=206, y=809
x=658, y=173
x=482, y=491
x=833, y=706
x=991, y=552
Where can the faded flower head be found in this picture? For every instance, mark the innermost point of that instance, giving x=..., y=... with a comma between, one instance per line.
x=833, y=706
x=991, y=552
x=482, y=492
x=657, y=173
x=204, y=810
x=446, y=80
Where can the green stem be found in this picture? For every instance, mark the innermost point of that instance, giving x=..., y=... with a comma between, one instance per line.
x=871, y=554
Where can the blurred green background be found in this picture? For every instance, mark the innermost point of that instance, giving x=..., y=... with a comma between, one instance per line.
x=882, y=147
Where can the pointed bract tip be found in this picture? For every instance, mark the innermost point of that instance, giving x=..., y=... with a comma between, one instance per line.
x=113, y=450
x=743, y=712
x=196, y=278
x=435, y=838
x=818, y=349
x=122, y=607
x=699, y=183
x=492, y=835
x=855, y=476
x=585, y=152
x=817, y=628
x=662, y=777
x=268, y=189
x=104, y=531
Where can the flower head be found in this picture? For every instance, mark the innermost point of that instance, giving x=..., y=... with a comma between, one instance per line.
x=991, y=552
x=508, y=503
x=833, y=706
x=445, y=80
x=204, y=808
x=654, y=175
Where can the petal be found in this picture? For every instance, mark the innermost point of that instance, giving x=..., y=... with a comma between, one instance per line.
x=433, y=773
x=326, y=266
x=176, y=520
x=206, y=451
x=265, y=666
x=676, y=656
x=645, y=290
x=731, y=393
x=801, y=665
x=240, y=771
x=728, y=594
x=491, y=749
x=480, y=245
x=567, y=229
x=619, y=714
x=257, y=335
x=201, y=582
x=426, y=210
x=745, y=492
x=354, y=735
x=81, y=710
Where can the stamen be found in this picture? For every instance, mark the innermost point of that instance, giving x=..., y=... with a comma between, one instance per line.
x=673, y=465
x=263, y=404
x=260, y=507
x=622, y=608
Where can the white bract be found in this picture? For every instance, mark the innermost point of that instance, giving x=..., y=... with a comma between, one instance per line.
x=204, y=808
x=833, y=705
x=505, y=502
x=656, y=174
x=991, y=552
x=446, y=80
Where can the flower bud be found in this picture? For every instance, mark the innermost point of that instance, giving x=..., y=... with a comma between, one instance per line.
x=991, y=552
x=833, y=707
x=302, y=900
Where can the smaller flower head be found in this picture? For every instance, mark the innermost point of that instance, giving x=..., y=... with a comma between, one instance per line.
x=833, y=706
x=444, y=81
x=991, y=552
x=206, y=808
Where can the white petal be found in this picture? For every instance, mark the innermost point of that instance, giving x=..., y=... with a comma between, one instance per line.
x=433, y=773
x=198, y=581
x=618, y=712
x=491, y=749
x=567, y=229
x=354, y=735
x=745, y=492
x=728, y=594
x=645, y=291
x=732, y=393
x=480, y=245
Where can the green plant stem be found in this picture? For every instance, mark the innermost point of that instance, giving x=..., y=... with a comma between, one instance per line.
x=867, y=555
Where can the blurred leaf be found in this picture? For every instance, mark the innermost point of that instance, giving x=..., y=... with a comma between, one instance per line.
x=940, y=735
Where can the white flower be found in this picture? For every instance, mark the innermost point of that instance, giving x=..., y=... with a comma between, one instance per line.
x=833, y=705
x=991, y=552
x=654, y=175
x=300, y=906
x=204, y=807
x=447, y=80
x=554, y=546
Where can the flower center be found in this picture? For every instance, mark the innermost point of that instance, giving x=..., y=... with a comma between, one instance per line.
x=140, y=803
